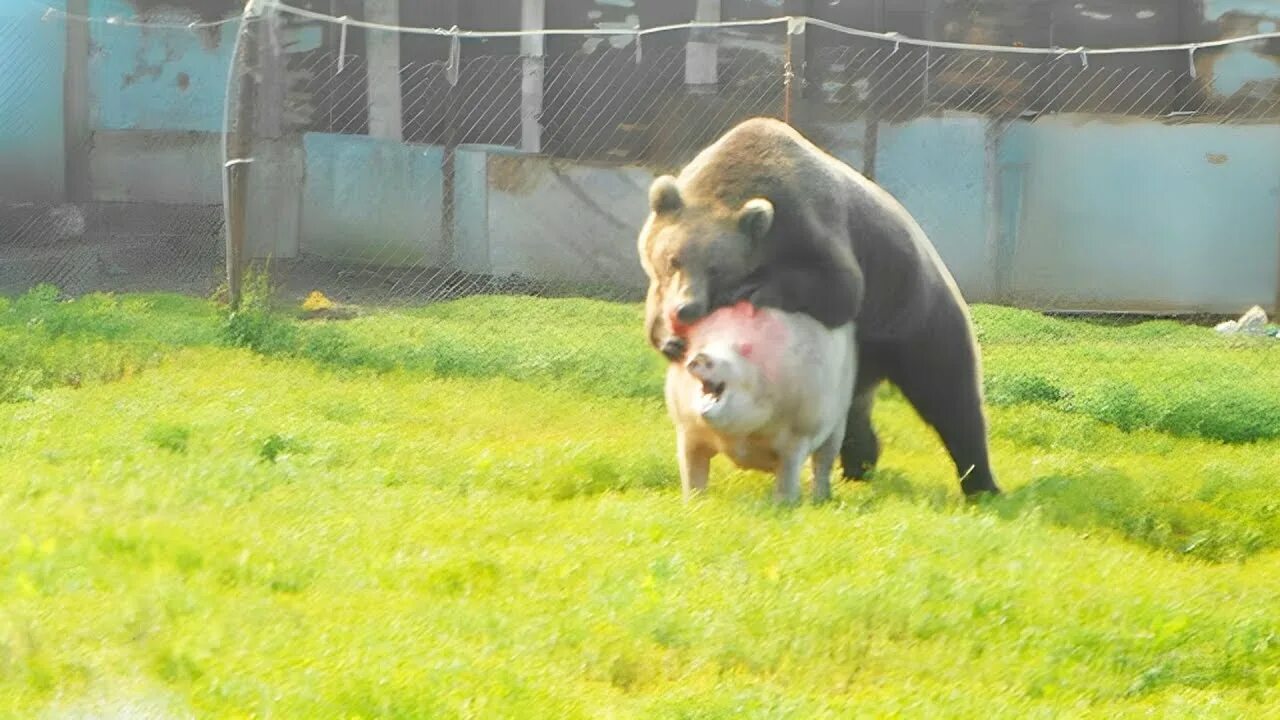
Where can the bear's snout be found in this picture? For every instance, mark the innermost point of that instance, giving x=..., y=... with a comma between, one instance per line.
x=687, y=313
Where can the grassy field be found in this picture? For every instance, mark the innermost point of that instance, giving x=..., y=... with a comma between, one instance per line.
x=472, y=510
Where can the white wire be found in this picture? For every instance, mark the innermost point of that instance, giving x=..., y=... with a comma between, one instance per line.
x=1038, y=50
x=790, y=20
x=313, y=15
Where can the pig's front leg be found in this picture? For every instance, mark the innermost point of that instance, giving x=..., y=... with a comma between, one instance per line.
x=695, y=465
x=787, y=488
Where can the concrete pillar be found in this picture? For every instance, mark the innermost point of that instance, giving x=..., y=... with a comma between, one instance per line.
x=700, y=69
x=384, y=70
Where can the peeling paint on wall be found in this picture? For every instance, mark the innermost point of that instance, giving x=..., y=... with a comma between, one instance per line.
x=1242, y=69
x=1216, y=9
x=156, y=78
x=206, y=10
x=618, y=41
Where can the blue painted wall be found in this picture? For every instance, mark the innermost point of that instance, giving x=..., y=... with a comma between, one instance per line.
x=1123, y=216
x=1241, y=66
x=372, y=200
x=937, y=168
x=1085, y=212
x=32, y=53
x=156, y=79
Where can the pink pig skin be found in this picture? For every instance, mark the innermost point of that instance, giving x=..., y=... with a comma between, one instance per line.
x=758, y=335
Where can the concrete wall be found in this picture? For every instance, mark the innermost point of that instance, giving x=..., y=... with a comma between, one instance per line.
x=32, y=53
x=1065, y=213
x=937, y=168
x=371, y=200
x=559, y=221
x=1123, y=216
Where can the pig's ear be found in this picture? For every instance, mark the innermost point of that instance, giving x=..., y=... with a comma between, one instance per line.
x=755, y=218
x=664, y=195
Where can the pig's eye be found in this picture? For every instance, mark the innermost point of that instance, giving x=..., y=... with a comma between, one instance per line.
x=674, y=263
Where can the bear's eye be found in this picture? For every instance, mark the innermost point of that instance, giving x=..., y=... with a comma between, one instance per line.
x=673, y=262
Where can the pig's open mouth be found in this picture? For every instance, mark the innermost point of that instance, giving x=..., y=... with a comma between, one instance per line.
x=712, y=391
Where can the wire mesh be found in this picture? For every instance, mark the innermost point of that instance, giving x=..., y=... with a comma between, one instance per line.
x=449, y=199
x=606, y=104
x=110, y=179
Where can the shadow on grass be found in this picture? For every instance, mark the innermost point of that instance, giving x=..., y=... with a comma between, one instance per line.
x=1225, y=521
x=1106, y=500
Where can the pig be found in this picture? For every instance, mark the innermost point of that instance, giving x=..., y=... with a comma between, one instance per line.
x=766, y=388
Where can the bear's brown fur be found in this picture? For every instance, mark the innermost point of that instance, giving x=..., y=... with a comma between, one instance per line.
x=764, y=215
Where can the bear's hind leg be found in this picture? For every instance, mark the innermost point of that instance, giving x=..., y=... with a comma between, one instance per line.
x=944, y=387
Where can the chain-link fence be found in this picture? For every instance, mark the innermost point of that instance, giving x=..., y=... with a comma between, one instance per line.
x=408, y=166
x=110, y=135
x=436, y=190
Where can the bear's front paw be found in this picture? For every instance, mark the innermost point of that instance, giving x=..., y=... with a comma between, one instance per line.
x=674, y=348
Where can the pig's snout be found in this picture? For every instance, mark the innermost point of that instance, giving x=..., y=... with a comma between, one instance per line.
x=701, y=366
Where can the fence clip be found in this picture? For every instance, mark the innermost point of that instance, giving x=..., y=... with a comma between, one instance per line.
x=1084, y=57
x=795, y=25
x=237, y=161
x=639, y=50
x=342, y=42
x=1191, y=59
x=897, y=41
x=455, y=57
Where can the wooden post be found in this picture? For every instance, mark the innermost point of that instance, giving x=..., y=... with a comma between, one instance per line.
x=796, y=63
x=532, y=50
x=448, y=164
x=271, y=93
x=871, y=127
x=239, y=147
x=794, y=72
x=1275, y=308
x=383, y=49
x=930, y=33
x=701, y=73
x=75, y=106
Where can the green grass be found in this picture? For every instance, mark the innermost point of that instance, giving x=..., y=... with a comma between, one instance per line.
x=472, y=510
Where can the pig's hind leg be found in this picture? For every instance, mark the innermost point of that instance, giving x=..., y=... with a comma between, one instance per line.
x=824, y=462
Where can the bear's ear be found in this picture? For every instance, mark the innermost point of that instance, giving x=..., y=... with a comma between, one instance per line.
x=664, y=195
x=755, y=218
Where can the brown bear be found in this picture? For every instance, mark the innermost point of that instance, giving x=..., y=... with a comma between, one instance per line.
x=764, y=215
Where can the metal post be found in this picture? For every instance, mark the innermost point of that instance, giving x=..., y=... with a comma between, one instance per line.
x=239, y=147
x=75, y=106
x=532, y=49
